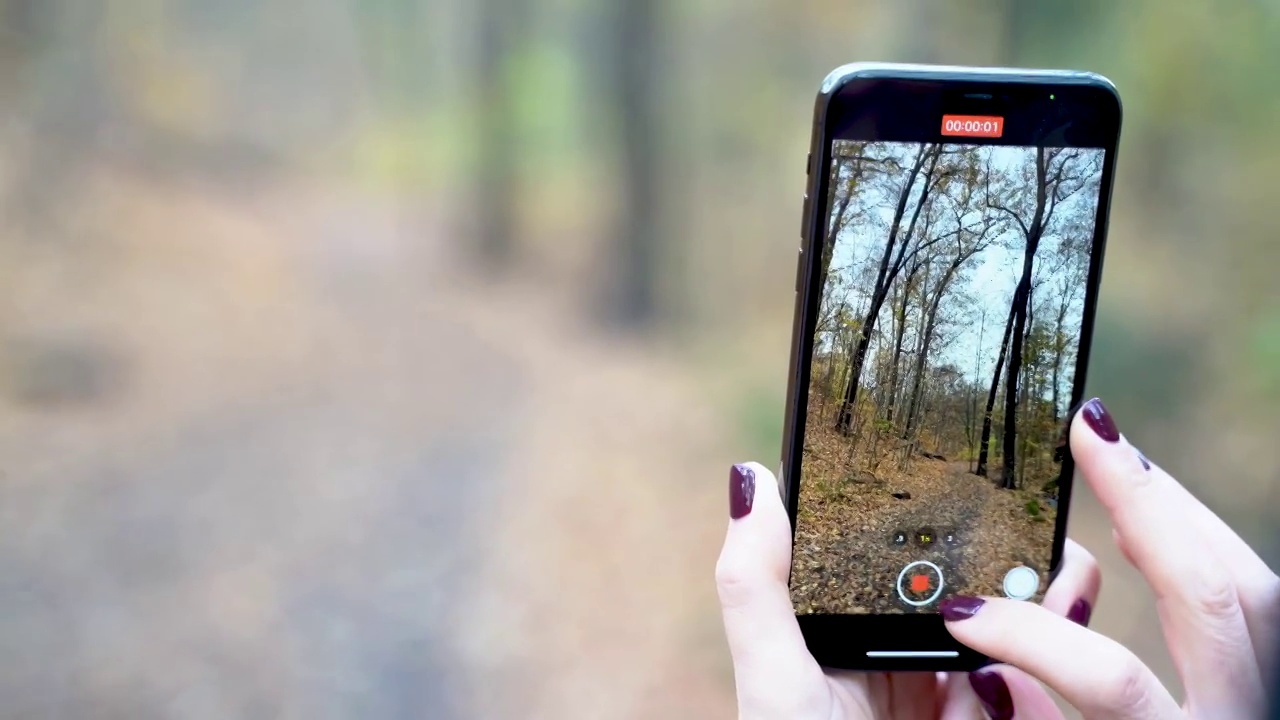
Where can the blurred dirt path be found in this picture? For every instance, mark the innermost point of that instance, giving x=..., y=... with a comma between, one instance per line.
x=268, y=518
x=597, y=596
x=333, y=480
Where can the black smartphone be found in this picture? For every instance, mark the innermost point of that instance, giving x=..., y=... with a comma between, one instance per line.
x=951, y=252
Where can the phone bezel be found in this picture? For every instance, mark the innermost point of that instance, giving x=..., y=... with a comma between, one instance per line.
x=844, y=641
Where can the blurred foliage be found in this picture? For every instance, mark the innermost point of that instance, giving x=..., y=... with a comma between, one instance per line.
x=1266, y=352
x=391, y=94
x=759, y=411
x=411, y=152
x=1140, y=367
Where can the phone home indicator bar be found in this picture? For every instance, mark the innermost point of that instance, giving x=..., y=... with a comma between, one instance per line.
x=913, y=653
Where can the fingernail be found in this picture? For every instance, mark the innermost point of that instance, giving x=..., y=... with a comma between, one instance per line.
x=994, y=694
x=742, y=490
x=1080, y=612
x=960, y=607
x=1146, y=464
x=1099, y=420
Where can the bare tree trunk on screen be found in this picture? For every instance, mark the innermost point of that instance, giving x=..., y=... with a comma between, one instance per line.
x=847, y=173
x=971, y=402
x=1049, y=184
x=984, y=445
x=900, y=318
x=930, y=327
x=1028, y=375
x=891, y=263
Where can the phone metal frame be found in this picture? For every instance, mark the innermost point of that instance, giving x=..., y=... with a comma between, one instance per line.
x=921, y=642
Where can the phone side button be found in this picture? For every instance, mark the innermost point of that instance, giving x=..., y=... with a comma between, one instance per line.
x=804, y=216
x=799, y=269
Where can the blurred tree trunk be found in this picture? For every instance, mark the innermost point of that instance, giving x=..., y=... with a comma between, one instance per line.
x=633, y=86
x=496, y=193
x=1040, y=33
x=391, y=38
x=20, y=20
x=919, y=21
x=23, y=24
x=1017, y=16
x=71, y=103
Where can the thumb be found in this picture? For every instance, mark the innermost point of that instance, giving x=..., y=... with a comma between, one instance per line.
x=776, y=676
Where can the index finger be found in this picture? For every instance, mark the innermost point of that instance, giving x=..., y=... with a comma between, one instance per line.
x=1198, y=601
x=1097, y=675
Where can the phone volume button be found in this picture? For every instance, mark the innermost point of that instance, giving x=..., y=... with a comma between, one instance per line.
x=804, y=215
x=799, y=269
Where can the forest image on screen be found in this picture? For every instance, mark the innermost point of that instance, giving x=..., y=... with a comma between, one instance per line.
x=953, y=289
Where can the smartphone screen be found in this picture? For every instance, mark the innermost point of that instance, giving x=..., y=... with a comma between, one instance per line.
x=949, y=308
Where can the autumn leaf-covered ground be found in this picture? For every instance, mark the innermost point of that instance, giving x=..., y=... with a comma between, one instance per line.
x=846, y=560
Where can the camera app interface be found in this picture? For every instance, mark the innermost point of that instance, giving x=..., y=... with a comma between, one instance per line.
x=953, y=288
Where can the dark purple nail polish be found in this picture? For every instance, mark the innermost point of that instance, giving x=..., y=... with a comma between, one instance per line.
x=742, y=490
x=994, y=694
x=1146, y=464
x=960, y=607
x=1099, y=420
x=1080, y=612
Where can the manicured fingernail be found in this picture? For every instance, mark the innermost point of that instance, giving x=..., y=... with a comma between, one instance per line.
x=742, y=490
x=1099, y=420
x=1080, y=612
x=1146, y=464
x=994, y=694
x=960, y=607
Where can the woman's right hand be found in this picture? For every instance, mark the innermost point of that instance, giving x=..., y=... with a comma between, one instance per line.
x=1218, y=602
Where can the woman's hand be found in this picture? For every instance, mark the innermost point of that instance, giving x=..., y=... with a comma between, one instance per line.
x=778, y=679
x=1218, y=602
x=1219, y=605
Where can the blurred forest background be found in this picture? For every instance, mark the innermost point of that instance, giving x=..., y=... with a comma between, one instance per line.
x=386, y=358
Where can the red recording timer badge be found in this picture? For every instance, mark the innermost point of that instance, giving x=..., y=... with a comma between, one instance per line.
x=983, y=126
